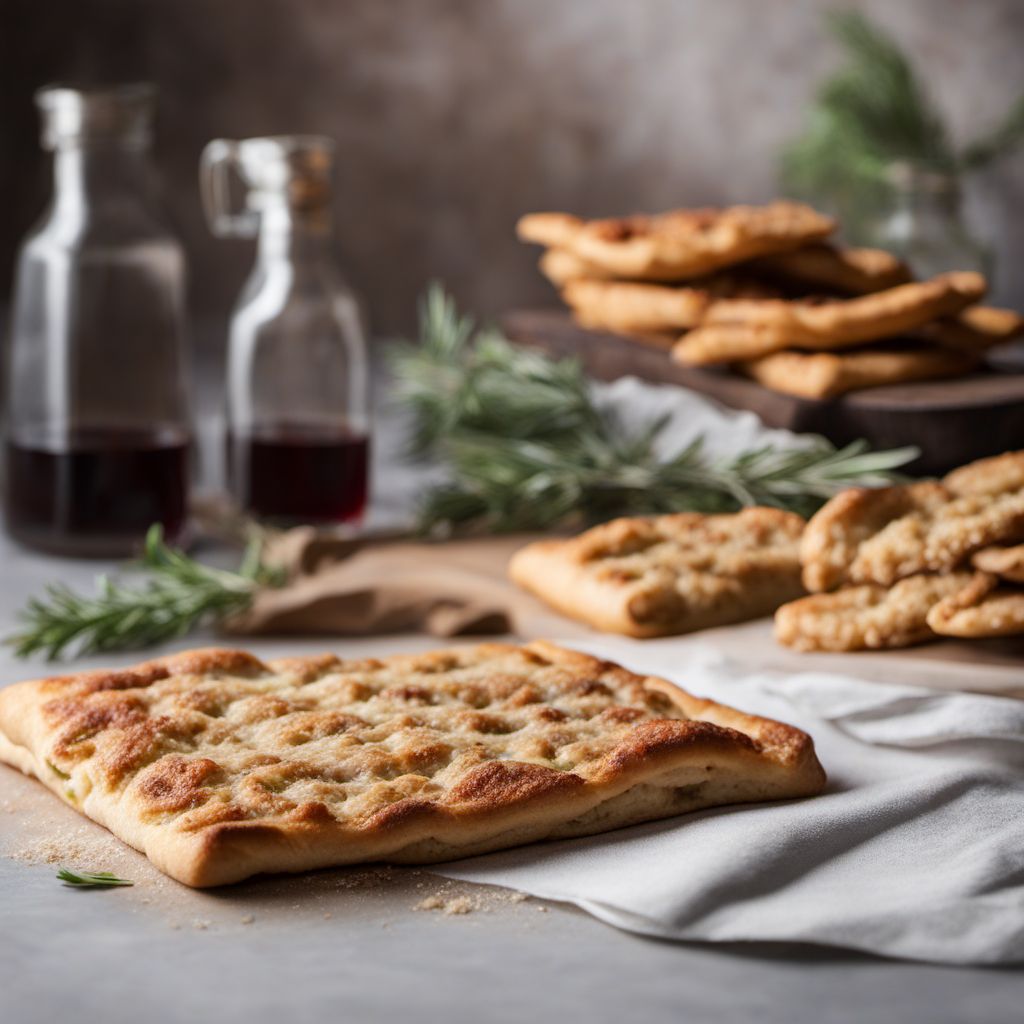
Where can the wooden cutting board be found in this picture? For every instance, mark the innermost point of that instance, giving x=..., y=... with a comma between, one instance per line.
x=952, y=422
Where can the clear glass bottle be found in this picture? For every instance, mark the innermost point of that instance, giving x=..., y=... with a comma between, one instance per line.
x=297, y=401
x=97, y=428
x=925, y=225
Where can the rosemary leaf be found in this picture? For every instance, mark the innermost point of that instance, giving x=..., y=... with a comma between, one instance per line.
x=91, y=879
x=177, y=595
x=528, y=448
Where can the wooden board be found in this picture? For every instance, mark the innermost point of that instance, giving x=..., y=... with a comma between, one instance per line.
x=952, y=422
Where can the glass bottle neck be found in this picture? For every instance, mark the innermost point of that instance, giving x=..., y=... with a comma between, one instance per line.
x=92, y=175
x=294, y=236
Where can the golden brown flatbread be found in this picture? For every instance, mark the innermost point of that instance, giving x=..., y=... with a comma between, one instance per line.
x=219, y=766
x=982, y=608
x=822, y=375
x=826, y=268
x=977, y=329
x=631, y=307
x=866, y=617
x=879, y=536
x=662, y=575
x=742, y=329
x=680, y=244
x=1005, y=562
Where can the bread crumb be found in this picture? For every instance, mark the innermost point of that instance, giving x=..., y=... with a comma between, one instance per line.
x=459, y=905
x=200, y=925
x=328, y=915
x=248, y=919
x=543, y=910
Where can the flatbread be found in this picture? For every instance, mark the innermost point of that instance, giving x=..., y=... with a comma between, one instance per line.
x=634, y=306
x=881, y=535
x=998, y=474
x=977, y=329
x=560, y=267
x=828, y=268
x=983, y=608
x=741, y=329
x=680, y=244
x=219, y=766
x=866, y=617
x=664, y=575
x=822, y=375
x=1005, y=562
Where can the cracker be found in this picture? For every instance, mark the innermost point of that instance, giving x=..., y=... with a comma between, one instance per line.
x=866, y=617
x=977, y=329
x=663, y=575
x=882, y=535
x=827, y=268
x=740, y=329
x=219, y=766
x=821, y=375
x=679, y=244
x=632, y=306
x=560, y=267
x=1005, y=562
x=982, y=608
x=998, y=474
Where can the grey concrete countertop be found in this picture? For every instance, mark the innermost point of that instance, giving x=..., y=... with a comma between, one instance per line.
x=379, y=944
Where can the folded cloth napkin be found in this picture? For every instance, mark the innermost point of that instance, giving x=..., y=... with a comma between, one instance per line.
x=355, y=587
x=915, y=850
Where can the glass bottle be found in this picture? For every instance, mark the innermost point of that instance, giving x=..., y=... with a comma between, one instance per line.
x=297, y=411
x=97, y=429
x=925, y=224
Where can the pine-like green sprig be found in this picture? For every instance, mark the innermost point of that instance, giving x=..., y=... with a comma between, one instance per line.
x=91, y=879
x=874, y=112
x=528, y=447
x=178, y=595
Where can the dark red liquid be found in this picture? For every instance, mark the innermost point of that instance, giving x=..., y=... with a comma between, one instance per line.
x=96, y=493
x=300, y=474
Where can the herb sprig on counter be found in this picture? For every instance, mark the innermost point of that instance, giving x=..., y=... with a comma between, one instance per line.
x=91, y=879
x=178, y=594
x=529, y=448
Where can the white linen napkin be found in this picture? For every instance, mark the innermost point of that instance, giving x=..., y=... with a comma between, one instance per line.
x=915, y=850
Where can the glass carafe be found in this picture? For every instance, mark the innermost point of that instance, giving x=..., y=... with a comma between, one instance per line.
x=297, y=410
x=925, y=224
x=97, y=431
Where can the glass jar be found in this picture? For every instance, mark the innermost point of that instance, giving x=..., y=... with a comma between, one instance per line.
x=297, y=401
x=925, y=223
x=97, y=431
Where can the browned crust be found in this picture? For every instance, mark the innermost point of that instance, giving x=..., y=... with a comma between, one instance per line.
x=835, y=532
x=679, y=244
x=977, y=329
x=996, y=475
x=742, y=329
x=1005, y=562
x=866, y=617
x=637, y=307
x=208, y=820
x=665, y=575
x=981, y=608
x=822, y=375
x=829, y=268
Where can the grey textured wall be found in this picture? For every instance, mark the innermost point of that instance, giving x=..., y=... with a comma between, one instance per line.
x=454, y=116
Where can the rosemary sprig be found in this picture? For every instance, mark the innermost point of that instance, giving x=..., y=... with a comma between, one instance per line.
x=528, y=447
x=178, y=594
x=876, y=111
x=91, y=879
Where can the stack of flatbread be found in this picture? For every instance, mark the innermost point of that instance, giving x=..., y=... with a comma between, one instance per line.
x=900, y=565
x=763, y=290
